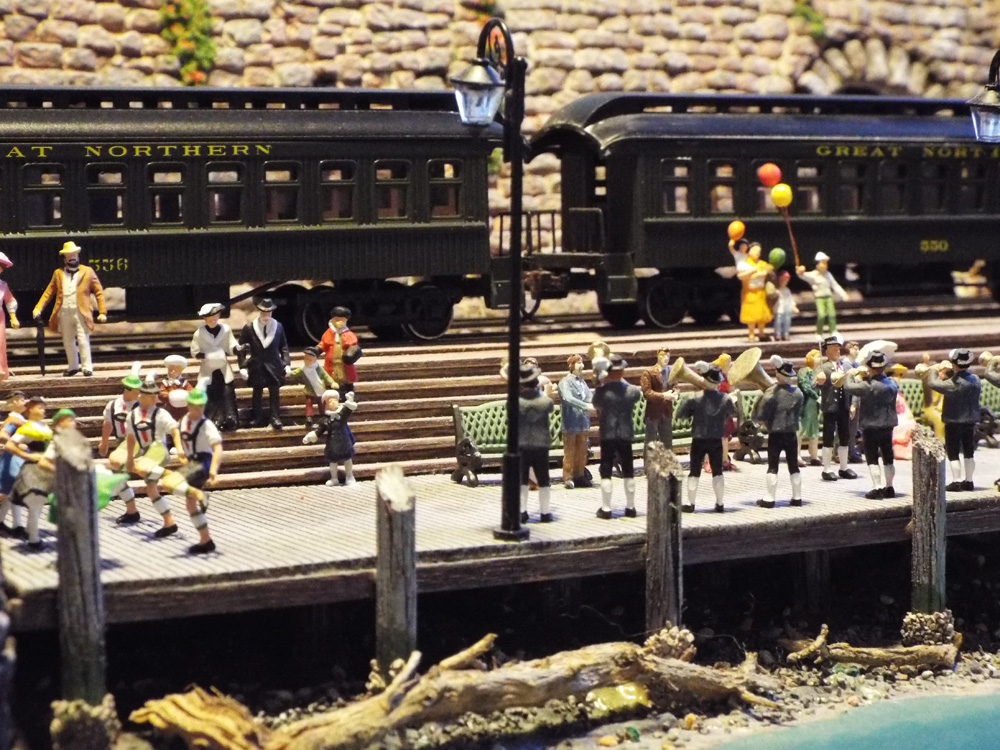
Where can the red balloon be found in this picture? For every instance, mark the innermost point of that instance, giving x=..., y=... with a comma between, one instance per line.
x=769, y=174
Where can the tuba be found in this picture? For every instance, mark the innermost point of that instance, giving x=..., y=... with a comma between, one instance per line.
x=680, y=372
x=888, y=348
x=747, y=368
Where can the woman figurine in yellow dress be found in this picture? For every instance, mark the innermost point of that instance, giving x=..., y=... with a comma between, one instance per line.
x=754, y=310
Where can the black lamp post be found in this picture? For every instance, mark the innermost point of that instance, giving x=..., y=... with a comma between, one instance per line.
x=497, y=73
x=985, y=106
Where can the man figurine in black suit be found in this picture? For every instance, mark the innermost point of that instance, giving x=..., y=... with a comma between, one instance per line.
x=264, y=361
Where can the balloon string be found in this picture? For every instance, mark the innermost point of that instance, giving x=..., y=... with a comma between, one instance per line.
x=788, y=223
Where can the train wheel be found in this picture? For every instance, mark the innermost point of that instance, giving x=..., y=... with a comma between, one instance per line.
x=314, y=317
x=665, y=304
x=391, y=331
x=620, y=314
x=286, y=297
x=435, y=310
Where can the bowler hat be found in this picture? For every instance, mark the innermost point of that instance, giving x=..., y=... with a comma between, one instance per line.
x=528, y=372
x=312, y=351
x=783, y=366
x=266, y=304
x=617, y=363
x=960, y=357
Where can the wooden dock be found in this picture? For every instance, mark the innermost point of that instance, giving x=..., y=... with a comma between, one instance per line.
x=293, y=546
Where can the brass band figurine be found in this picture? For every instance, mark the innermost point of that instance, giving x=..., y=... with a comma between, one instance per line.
x=534, y=440
x=835, y=405
x=780, y=410
x=877, y=393
x=615, y=400
x=960, y=413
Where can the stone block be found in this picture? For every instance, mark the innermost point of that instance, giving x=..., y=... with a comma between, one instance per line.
x=6, y=52
x=721, y=33
x=431, y=83
x=19, y=28
x=78, y=11
x=130, y=44
x=259, y=9
x=644, y=61
x=111, y=16
x=535, y=20
x=6, y=7
x=79, y=58
x=38, y=55
x=371, y=80
x=257, y=76
x=554, y=58
x=326, y=47
x=349, y=69
x=294, y=74
x=696, y=14
x=33, y=8
x=733, y=15
x=401, y=79
x=544, y=81
x=98, y=39
x=380, y=63
x=774, y=85
x=609, y=82
x=359, y=36
x=383, y=17
x=258, y=54
x=580, y=80
x=877, y=70
x=286, y=55
x=687, y=82
x=223, y=79
x=656, y=45
x=721, y=79
x=635, y=80
x=230, y=59
x=244, y=31
x=615, y=24
x=415, y=40
x=144, y=65
x=299, y=34
x=154, y=45
x=225, y=9
x=140, y=19
x=940, y=48
x=693, y=31
x=676, y=63
x=574, y=22
x=658, y=81
x=554, y=40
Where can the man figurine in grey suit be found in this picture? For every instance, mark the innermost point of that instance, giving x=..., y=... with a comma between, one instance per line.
x=878, y=418
x=614, y=400
x=709, y=409
x=779, y=410
x=533, y=440
x=264, y=361
x=960, y=413
x=575, y=399
x=659, y=401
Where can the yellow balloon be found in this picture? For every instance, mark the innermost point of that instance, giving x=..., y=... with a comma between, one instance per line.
x=781, y=194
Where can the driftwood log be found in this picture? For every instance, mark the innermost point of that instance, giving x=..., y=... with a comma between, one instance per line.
x=448, y=690
x=819, y=651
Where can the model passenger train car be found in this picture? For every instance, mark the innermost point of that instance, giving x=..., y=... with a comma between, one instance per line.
x=379, y=198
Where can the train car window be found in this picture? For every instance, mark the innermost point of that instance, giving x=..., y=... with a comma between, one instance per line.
x=225, y=193
x=972, y=187
x=676, y=178
x=165, y=188
x=853, y=188
x=281, y=191
x=892, y=187
x=392, y=180
x=337, y=190
x=445, y=183
x=808, y=192
x=934, y=186
x=106, y=194
x=721, y=187
x=43, y=195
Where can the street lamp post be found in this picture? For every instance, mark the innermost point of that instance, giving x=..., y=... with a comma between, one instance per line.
x=497, y=73
x=985, y=106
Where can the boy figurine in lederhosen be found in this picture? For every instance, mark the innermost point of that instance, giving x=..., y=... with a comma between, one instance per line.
x=340, y=347
x=146, y=431
x=113, y=427
x=10, y=465
x=614, y=400
x=212, y=343
x=201, y=445
x=709, y=410
x=339, y=438
x=533, y=439
x=32, y=484
x=878, y=419
x=780, y=410
x=836, y=408
x=315, y=382
x=960, y=412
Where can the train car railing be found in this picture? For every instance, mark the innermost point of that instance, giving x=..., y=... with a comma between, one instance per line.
x=541, y=232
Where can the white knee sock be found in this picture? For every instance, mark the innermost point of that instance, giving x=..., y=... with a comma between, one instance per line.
x=524, y=498
x=796, y=486
x=827, y=456
x=772, y=486
x=349, y=472
x=956, y=470
x=161, y=504
x=15, y=516
x=719, y=485
x=180, y=490
x=890, y=474
x=5, y=505
x=876, y=473
x=199, y=520
x=35, y=504
x=629, y=493
x=970, y=467
x=842, y=456
x=692, y=490
x=544, y=495
x=606, y=494
x=332, y=481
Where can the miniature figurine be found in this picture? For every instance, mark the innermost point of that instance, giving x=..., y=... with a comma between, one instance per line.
x=659, y=401
x=960, y=413
x=824, y=286
x=877, y=394
x=709, y=409
x=116, y=414
x=739, y=250
x=614, y=400
x=174, y=380
x=544, y=382
x=779, y=410
x=809, y=426
x=902, y=433
x=754, y=311
x=8, y=300
x=201, y=456
x=212, y=343
x=835, y=405
x=340, y=345
x=724, y=362
x=930, y=415
x=339, y=438
x=72, y=312
x=576, y=407
x=598, y=353
x=264, y=361
x=784, y=308
x=146, y=431
x=315, y=382
x=852, y=360
x=34, y=479
x=533, y=439
x=10, y=465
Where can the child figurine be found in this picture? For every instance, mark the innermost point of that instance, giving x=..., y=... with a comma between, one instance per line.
x=614, y=400
x=779, y=411
x=34, y=480
x=8, y=299
x=878, y=419
x=339, y=439
x=709, y=409
x=784, y=308
x=340, y=346
x=809, y=426
x=315, y=382
x=174, y=380
x=116, y=413
x=824, y=286
x=10, y=465
x=201, y=445
x=534, y=439
x=212, y=343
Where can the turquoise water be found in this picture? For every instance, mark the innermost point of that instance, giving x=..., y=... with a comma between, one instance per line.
x=938, y=723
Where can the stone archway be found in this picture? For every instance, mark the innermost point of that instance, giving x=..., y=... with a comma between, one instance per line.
x=869, y=68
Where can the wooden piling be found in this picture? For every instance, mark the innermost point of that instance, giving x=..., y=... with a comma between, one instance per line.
x=80, y=598
x=927, y=579
x=816, y=579
x=664, y=563
x=395, y=569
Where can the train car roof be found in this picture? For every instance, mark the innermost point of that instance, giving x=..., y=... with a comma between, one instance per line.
x=600, y=120
x=175, y=113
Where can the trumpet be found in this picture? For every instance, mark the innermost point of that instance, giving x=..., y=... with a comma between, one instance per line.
x=837, y=379
x=925, y=372
x=684, y=374
x=989, y=361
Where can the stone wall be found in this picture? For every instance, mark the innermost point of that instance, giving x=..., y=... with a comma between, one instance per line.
x=918, y=47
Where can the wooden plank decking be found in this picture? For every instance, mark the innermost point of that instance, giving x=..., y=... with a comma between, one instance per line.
x=290, y=546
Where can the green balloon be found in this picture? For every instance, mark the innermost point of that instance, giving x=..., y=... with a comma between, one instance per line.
x=777, y=257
